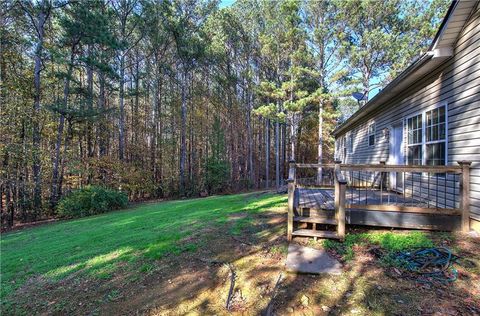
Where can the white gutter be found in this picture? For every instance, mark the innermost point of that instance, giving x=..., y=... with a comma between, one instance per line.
x=398, y=83
x=383, y=94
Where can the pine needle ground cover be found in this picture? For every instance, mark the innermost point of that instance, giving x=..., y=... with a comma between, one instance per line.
x=176, y=258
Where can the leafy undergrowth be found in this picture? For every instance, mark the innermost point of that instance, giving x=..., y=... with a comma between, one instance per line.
x=91, y=200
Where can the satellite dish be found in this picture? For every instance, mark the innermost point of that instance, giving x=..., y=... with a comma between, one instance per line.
x=359, y=96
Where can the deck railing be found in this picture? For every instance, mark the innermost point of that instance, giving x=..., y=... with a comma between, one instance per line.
x=340, y=189
x=392, y=188
x=314, y=175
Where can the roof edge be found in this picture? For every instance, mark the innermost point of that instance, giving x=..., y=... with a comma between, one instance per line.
x=370, y=105
x=443, y=25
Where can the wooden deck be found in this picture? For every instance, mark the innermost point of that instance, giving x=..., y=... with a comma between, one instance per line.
x=369, y=195
x=316, y=199
x=323, y=199
x=312, y=203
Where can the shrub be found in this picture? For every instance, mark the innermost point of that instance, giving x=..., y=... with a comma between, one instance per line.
x=91, y=200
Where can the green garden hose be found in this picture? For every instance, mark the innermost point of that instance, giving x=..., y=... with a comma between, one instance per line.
x=434, y=264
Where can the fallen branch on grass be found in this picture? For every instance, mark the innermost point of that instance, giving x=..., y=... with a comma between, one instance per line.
x=209, y=261
x=233, y=276
x=242, y=241
x=269, y=309
x=232, y=286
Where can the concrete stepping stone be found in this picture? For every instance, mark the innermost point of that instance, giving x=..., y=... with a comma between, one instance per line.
x=308, y=260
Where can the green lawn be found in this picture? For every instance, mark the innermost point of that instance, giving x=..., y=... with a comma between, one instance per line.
x=95, y=245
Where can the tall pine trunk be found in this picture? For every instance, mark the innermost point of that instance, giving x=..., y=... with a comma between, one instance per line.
x=54, y=190
x=153, y=129
x=121, y=123
x=250, y=138
x=66, y=145
x=284, y=151
x=320, y=142
x=90, y=149
x=277, y=154
x=183, y=132
x=56, y=163
x=267, y=153
x=101, y=131
x=37, y=137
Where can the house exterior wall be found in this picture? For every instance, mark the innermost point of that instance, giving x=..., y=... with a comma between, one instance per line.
x=456, y=84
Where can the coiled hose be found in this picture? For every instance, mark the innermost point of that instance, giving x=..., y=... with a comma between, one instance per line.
x=433, y=263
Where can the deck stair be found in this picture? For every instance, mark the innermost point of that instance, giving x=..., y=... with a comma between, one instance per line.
x=310, y=223
x=316, y=233
x=314, y=220
x=319, y=214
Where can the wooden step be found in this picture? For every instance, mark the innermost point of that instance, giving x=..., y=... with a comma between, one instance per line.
x=315, y=213
x=315, y=219
x=315, y=233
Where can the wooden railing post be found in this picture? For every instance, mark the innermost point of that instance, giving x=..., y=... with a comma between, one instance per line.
x=340, y=191
x=336, y=187
x=383, y=181
x=291, y=182
x=465, y=194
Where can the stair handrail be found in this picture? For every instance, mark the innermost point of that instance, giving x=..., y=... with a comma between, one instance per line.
x=291, y=183
x=465, y=195
x=340, y=192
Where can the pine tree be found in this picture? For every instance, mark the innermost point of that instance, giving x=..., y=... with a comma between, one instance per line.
x=217, y=167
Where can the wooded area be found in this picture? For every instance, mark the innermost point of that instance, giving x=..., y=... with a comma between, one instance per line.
x=184, y=98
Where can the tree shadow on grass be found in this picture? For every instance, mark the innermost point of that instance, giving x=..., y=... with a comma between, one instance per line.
x=183, y=281
x=114, y=260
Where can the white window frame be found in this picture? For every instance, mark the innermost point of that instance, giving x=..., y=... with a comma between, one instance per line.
x=424, y=134
x=350, y=142
x=437, y=141
x=370, y=134
x=422, y=141
x=338, y=148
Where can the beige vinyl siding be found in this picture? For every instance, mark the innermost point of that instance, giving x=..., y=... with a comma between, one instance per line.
x=456, y=83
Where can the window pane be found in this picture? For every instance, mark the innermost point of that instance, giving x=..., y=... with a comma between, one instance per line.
x=436, y=127
x=371, y=134
x=414, y=155
x=441, y=128
x=414, y=126
x=436, y=154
